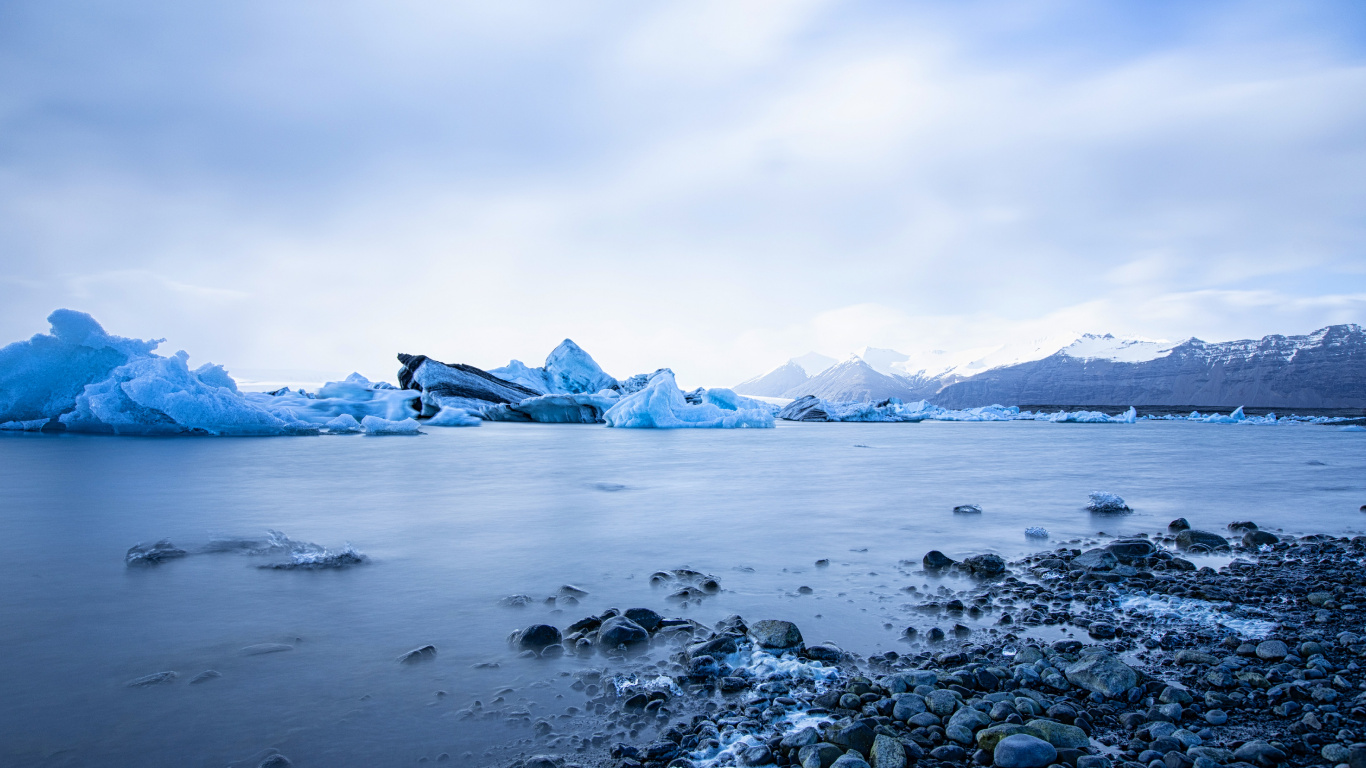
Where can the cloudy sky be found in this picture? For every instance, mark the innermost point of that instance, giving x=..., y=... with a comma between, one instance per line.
x=299, y=189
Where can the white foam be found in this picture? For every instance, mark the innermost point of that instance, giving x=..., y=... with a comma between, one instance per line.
x=1193, y=611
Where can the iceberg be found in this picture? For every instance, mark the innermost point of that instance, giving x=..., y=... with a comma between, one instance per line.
x=556, y=409
x=343, y=425
x=82, y=379
x=568, y=370
x=445, y=385
x=661, y=405
x=1090, y=417
x=1107, y=503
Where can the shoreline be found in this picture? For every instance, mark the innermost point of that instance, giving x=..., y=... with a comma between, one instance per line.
x=1257, y=663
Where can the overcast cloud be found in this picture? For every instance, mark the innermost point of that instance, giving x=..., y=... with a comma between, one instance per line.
x=301, y=189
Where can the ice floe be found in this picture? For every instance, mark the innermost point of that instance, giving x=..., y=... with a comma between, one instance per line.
x=284, y=553
x=374, y=425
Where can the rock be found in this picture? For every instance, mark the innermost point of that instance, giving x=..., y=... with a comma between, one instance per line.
x=1272, y=650
x=985, y=565
x=1178, y=525
x=1253, y=539
x=205, y=676
x=967, y=509
x=827, y=652
x=156, y=678
x=849, y=761
x=936, y=561
x=964, y=723
x=1096, y=560
x=515, y=601
x=425, y=653
x=275, y=761
x=822, y=755
x=1102, y=673
x=1023, y=751
x=988, y=738
x=908, y=706
x=1060, y=735
x=1093, y=761
x=1200, y=541
x=1216, y=717
x=1335, y=754
x=941, y=703
x=1128, y=550
x=800, y=738
x=646, y=618
x=535, y=637
x=887, y=753
x=756, y=754
x=621, y=632
x=775, y=635
x=858, y=737
x=1195, y=657
x=1260, y=753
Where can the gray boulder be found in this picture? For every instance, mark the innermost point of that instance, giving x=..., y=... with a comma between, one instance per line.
x=985, y=565
x=1102, y=673
x=1128, y=550
x=1096, y=560
x=936, y=561
x=821, y=755
x=772, y=634
x=887, y=753
x=1260, y=753
x=619, y=631
x=535, y=637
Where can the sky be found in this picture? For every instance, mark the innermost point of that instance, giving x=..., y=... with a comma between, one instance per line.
x=301, y=189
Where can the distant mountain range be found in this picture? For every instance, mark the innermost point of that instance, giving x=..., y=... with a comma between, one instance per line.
x=1324, y=369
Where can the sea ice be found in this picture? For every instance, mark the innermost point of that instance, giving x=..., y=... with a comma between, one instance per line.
x=1035, y=532
x=343, y=425
x=661, y=405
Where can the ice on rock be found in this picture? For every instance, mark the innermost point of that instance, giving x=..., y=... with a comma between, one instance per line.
x=1106, y=503
x=454, y=417
x=374, y=425
x=661, y=405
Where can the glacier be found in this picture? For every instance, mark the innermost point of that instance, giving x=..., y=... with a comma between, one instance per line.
x=662, y=405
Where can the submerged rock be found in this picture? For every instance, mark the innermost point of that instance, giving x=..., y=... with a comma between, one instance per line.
x=264, y=648
x=967, y=509
x=1200, y=541
x=621, y=632
x=156, y=678
x=936, y=561
x=425, y=653
x=985, y=565
x=535, y=637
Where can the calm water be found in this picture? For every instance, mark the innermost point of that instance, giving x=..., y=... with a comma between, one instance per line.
x=457, y=519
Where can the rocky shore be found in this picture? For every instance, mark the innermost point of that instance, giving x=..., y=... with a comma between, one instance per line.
x=1124, y=655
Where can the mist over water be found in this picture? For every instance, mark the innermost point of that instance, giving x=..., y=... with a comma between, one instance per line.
x=452, y=521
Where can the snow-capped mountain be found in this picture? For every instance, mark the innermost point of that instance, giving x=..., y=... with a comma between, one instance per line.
x=1324, y=369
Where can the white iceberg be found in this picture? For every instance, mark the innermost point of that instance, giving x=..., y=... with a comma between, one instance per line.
x=661, y=405
x=344, y=424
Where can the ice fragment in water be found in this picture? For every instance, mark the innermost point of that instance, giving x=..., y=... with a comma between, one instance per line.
x=156, y=678
x=1035, y=532
x=1106, y=502
x=343, y=425
x=454, y=417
